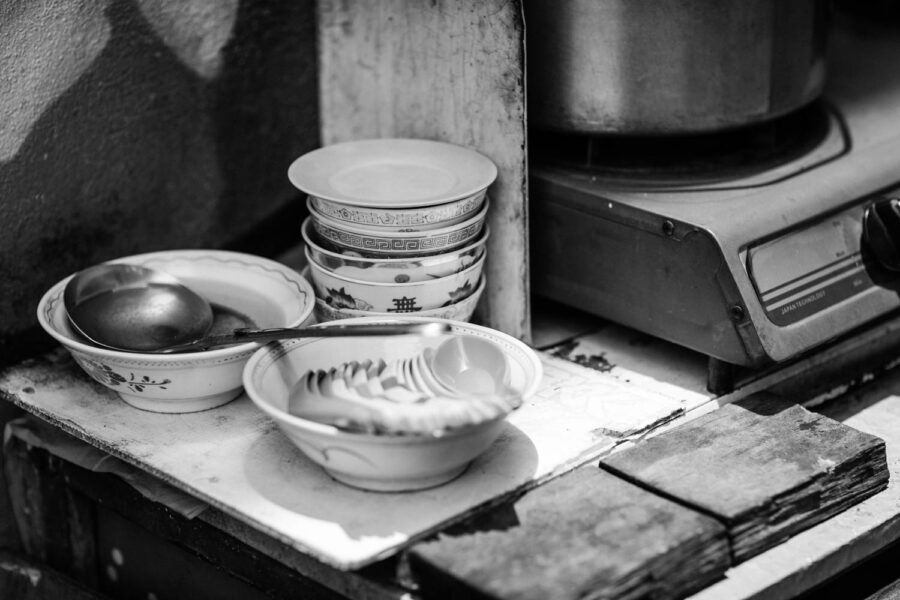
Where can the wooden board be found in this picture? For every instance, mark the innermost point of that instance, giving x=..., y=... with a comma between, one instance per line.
x=764, y=467
x=444, y=70
x=235, y=459
x=823, y=551
x=612, y=539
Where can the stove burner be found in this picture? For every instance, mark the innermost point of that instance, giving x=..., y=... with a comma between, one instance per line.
x=687, y=160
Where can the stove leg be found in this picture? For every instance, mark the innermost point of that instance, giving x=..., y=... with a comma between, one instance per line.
x=720, y=376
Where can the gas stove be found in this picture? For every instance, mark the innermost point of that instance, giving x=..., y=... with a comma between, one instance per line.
x=750, y=247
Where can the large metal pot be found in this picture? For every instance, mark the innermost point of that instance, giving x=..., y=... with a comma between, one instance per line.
x=671, y=66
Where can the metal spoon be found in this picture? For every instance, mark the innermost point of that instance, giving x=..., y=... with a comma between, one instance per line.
x=244, y=335
x=133, y=308
x=471, y=365
x=136, y=309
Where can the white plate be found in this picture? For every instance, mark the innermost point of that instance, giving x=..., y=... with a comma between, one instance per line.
x=392, y=173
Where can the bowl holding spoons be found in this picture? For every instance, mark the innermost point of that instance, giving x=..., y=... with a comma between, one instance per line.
x=380, y=414
x=243, y=290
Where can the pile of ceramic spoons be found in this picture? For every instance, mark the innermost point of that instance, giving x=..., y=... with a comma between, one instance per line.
x=427, y=393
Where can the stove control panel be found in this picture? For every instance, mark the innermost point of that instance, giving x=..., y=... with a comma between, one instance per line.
x=816, y=267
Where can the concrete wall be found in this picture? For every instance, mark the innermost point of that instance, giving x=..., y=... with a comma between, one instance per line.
x=135, y=125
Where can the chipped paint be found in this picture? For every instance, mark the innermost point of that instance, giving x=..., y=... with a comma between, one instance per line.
x=598, y=361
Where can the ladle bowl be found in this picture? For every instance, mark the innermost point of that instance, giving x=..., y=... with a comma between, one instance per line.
x=134, y=308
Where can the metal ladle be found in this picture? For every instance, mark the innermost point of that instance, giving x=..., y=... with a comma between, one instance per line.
x=135, y=309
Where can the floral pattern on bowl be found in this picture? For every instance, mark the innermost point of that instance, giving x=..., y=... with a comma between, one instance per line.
x=108, y=376
x=461, y=310
x=373, y=243
x=346, y=292
x=341, y=299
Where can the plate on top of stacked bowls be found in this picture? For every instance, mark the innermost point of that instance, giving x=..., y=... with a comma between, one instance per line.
x=395, y=226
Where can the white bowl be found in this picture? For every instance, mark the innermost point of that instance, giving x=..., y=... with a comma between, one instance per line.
x=392, y=173
x=417, y=218
x=458, y=311
x=393, y=270
x=373, y=461
x=266, y=294
x=346, y=292
x=373, y=243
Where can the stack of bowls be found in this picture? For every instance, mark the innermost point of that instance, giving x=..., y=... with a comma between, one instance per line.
x=395, y=226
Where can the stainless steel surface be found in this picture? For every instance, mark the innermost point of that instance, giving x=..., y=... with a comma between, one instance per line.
x=671, y=66
x=751, y=270
x=123, y=306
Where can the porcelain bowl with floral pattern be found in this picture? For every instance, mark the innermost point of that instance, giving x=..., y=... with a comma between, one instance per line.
x=392, y=462
x=417, y=218
x=392, y=270
x=245, y=290
x=375, y=243
x=458, y=311
x=345, y=292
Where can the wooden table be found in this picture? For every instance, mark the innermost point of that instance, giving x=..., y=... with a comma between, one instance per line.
x=651, y=387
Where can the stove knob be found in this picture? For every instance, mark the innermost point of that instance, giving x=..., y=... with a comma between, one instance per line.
x=881, y=231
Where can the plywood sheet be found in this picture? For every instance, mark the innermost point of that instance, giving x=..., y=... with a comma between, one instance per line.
x=234, y=457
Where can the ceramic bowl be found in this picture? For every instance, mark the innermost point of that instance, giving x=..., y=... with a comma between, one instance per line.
x=346, y=292
x=392, y=270
x=458, y=311
x=379, y=462
x=374, y=244
x=244, y=290
x=417, y=218
x=392, y=173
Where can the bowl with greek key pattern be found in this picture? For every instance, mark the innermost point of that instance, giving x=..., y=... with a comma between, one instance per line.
x=373, y=243
x=418, y=218
x=392, y=270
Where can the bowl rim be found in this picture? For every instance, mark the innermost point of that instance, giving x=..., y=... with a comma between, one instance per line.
x=479, y=289
x=402, y=210
x=306, y=171
x=423, y=260
x=314, y=266
x=277, y=350
x=481, y=215
x=54, y=294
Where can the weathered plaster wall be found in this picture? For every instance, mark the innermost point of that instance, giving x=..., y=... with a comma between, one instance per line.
x=135, y=125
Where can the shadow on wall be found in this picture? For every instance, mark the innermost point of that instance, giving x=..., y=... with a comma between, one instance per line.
x=135, y=125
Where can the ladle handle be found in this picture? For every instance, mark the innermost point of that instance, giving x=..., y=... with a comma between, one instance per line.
x=245, y=335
